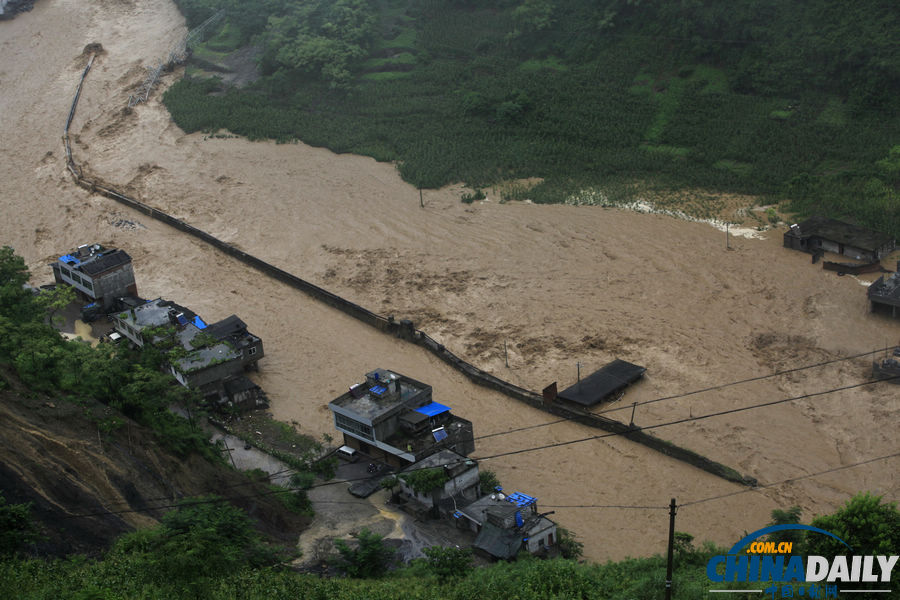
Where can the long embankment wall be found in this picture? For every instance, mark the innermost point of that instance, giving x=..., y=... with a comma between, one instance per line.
x=402, y=329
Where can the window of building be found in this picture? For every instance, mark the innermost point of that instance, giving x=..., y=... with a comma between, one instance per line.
x=88, y=284
x=65, y=272
x=252, y=351
x=76, y=278
x=353, y=426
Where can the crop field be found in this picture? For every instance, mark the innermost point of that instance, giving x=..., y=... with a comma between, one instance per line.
x=456, y=93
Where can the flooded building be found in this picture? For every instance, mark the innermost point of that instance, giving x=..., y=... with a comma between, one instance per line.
x=99, y=275
x=603, y=384
x=392, y=418
x=821, y=234
x=506, y=524
x=884, y=295
x=459, y=489
x=210, y=358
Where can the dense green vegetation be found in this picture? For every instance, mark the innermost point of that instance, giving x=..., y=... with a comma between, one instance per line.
x=601, y=99
x=131, y=382
x=205, y=550
x=124, y=380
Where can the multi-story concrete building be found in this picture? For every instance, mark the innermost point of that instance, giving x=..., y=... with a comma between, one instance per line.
x=98, y=274
x=392, y=418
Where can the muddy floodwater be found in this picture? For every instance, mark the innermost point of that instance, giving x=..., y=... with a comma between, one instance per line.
x=544, y=287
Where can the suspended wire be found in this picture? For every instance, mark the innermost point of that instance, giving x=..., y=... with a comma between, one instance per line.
x=791, y=480
x=688, y=419
x=520, y=451
x=691, y=393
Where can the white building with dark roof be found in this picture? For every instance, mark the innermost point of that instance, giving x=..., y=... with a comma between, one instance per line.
x=98, y=274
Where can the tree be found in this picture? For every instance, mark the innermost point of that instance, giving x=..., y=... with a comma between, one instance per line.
x=790, y=516
x=205, y=538
x=389, y=483
x=423, y=481
x=15, y=300
x=368, y=559
x=487, y=481
x=864, y=522
x=448, y=563
x=17, y=528
x=55, y=300
x=568, y=546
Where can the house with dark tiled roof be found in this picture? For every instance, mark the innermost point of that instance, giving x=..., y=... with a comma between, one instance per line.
x=211, y=358
x=99, y=275
x=821, y=234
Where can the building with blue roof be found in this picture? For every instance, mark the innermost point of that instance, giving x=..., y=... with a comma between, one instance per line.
x=392, y=418
x=99, y=275
x=215, y=355
x=506, y=524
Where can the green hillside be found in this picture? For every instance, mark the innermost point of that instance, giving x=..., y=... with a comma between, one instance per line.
x=789, y=101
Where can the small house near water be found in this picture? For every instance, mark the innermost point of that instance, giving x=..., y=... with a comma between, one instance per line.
x=821, y=234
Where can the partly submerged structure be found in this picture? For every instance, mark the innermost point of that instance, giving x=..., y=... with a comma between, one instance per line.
x=99, y=275
x=604, y=384
x=888, y=368
x=821, y=234
x=460, y=488
x=884, y=294
x=392, y=418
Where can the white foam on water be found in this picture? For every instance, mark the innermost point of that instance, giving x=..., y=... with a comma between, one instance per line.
x=593, y=197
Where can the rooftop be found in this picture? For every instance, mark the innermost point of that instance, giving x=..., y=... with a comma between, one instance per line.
x=158, y=313
x=497, y=502
x=94, y=259
x=601, y=384
x=207, y=356
x=841, y=232
x=886, y=289
x=383, y=392
x=454, y=462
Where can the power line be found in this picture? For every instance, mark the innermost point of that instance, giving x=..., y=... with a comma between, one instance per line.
x=792, y=479
x=748, y=380
x=520, y=451
x=691, y=393
x=688, y=419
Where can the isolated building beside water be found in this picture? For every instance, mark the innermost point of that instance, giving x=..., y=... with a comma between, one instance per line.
x=884, y=294
x=98, y=274
x=604, y=384
x=392, y=418
x=821, y=234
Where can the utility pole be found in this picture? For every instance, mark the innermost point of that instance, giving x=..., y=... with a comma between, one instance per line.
x=672, y=510
x=578, y=366
x=421, y=202
x=727, y=245
x=230, y=450
x=506, y=353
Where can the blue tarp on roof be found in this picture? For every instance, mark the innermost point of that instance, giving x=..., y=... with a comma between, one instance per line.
x=520, y=499
x=430, y=410
x=69, y=259
x=198, y=323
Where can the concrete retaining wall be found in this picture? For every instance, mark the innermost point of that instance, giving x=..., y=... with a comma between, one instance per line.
x=402, y=329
